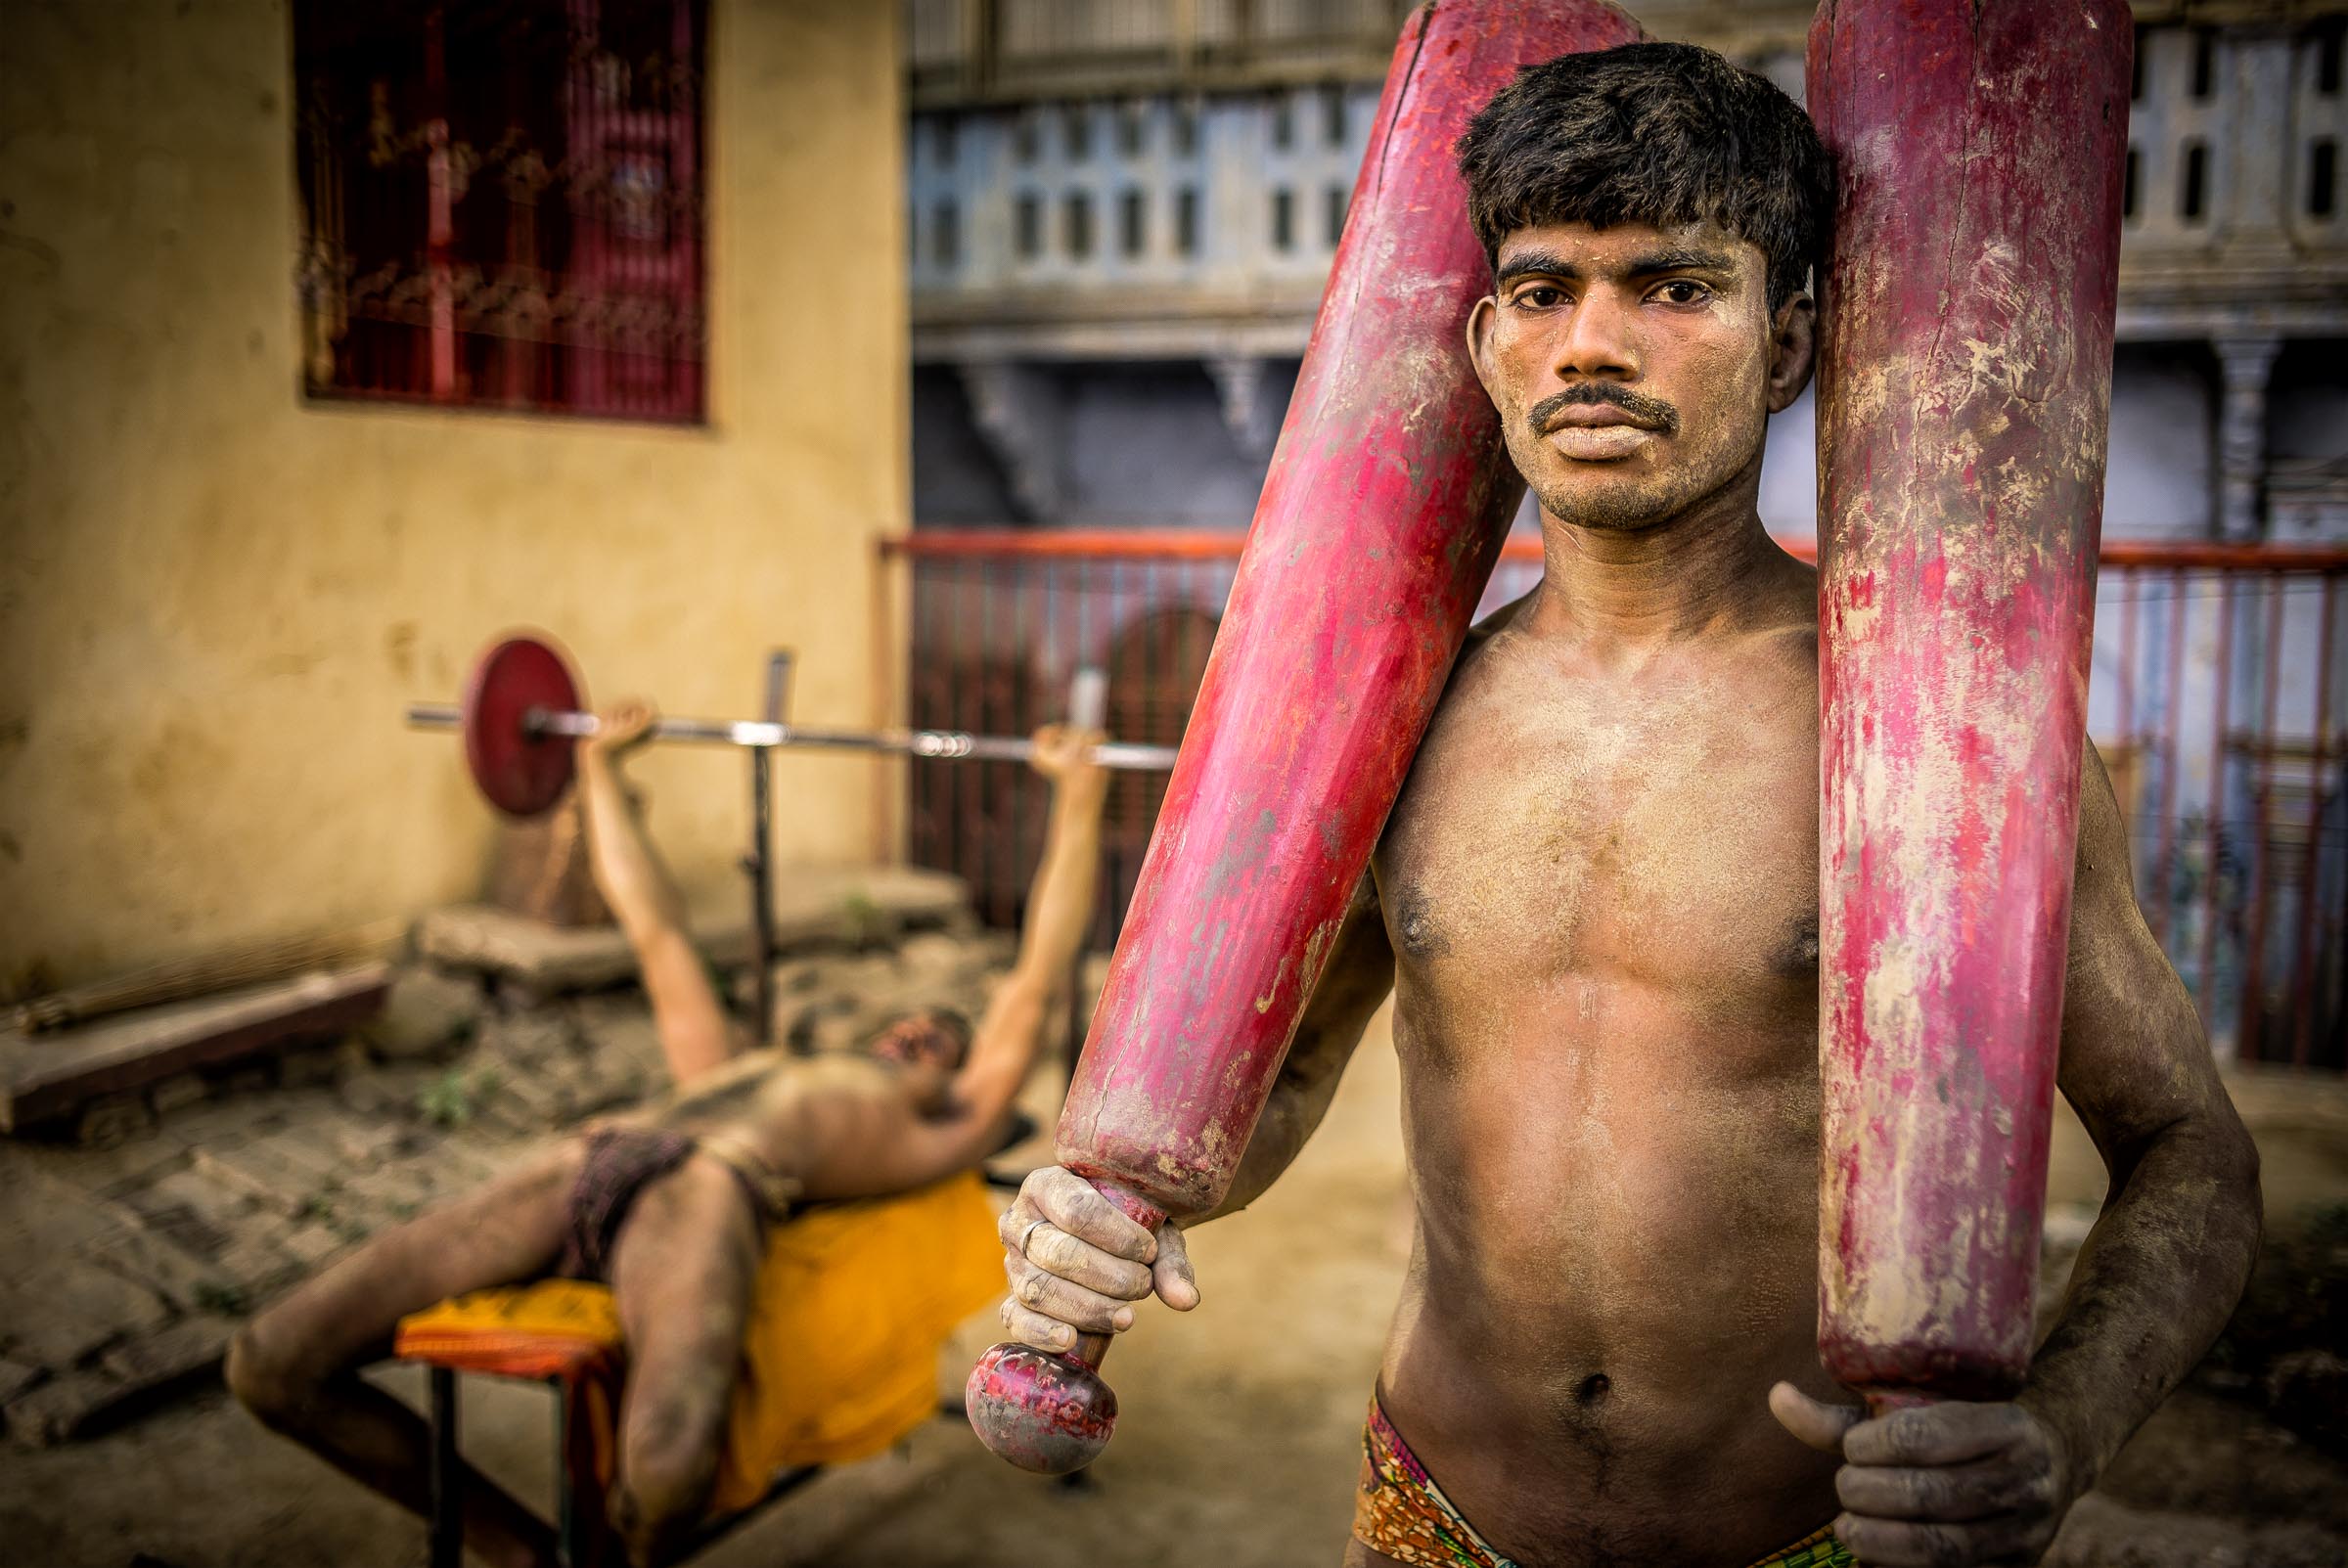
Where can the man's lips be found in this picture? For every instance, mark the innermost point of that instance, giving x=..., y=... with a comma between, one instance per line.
x=1590, y=415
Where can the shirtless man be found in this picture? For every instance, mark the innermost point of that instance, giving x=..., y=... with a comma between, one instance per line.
x=668, y=1208
x=1595, y=906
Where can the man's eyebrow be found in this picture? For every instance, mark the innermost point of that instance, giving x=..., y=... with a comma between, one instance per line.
x=1548, y=264
x=1545, y=263
x=1689, y=260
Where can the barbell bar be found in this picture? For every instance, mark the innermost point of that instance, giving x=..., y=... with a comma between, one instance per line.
x=523, y=709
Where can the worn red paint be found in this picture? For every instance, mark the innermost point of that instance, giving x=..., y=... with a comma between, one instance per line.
x=1963, y=391
x=1380, y=521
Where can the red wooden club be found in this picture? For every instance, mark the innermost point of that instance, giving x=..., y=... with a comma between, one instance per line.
x=1378, y=525
x=1963, y=388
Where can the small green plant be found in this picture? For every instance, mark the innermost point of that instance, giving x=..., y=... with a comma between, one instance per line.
x=455, y=1097
x=221, y=1300
x=867, y=922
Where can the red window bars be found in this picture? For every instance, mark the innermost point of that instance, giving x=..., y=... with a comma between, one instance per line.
x=2218, y=702
x=502, y=203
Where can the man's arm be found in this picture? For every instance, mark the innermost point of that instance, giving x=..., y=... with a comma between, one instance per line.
x=695, y=1035
x=1059, y=909
x=1075, y=1261
x=2159, y=1274
x=1010, y=1031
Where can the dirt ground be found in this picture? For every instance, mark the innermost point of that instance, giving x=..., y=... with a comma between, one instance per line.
x=1238, y=1444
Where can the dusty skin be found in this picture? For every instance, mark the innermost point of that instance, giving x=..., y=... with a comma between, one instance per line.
x=1596, y=907
x=684, y=1259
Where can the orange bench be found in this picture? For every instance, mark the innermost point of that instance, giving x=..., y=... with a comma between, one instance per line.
x=882, y=1285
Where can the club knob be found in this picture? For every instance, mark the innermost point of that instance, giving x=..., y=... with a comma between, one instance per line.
x=1045, y=1413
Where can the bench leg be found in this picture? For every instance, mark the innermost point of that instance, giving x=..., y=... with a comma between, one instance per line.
x=447, y=1475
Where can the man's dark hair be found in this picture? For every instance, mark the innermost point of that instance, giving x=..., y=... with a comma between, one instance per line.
x=1661, y=134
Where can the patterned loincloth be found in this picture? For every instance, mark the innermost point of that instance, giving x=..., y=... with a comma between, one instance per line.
x=622, y=1161
x=1402, y=1514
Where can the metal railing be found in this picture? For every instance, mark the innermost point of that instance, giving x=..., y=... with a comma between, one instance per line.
x=2217, y=701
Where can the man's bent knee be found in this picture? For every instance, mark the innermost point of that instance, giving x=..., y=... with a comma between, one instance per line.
x=264, y=1378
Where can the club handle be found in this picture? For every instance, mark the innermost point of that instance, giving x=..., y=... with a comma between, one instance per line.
x=1049, y=1413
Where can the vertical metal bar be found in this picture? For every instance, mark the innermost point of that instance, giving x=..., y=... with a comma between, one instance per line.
x=2252, y=1021
x=886, y=847
x=2171, y=706
x=990, y=831
x=570, y=1533
x=2132, y=589
x=2303, y=1023
x=447, y=1474
x=2205, y=962
x=760, y=862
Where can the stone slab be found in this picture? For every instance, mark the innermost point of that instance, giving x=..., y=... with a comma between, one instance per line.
x=62, y=1408
x=153, y=1362
x=61, y=1309
x=48, y=1075
x=847, y=905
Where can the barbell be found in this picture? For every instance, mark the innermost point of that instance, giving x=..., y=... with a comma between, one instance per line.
x=523, y=712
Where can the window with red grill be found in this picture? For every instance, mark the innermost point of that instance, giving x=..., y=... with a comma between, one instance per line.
x=502, y=203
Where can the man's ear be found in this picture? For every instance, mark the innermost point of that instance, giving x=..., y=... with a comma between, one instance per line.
x=1792, y=352
x=1479, y=339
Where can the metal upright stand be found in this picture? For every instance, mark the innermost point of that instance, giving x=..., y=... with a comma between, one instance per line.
x=447, y=1475
x=759, y=862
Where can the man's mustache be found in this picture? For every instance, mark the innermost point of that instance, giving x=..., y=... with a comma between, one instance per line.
x=1651, y=413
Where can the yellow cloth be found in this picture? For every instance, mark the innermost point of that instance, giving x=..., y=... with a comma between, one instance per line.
x=839, y=1356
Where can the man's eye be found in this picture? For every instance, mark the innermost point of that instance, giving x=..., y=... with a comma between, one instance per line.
x=1541, y=296
x=1684, y=291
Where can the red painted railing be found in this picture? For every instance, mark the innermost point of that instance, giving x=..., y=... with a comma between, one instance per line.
x=2217, y=701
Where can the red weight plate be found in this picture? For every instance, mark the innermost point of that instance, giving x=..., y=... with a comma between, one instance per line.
x=520, y=774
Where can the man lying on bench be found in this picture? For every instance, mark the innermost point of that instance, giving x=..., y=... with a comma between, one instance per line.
x=669, y=1207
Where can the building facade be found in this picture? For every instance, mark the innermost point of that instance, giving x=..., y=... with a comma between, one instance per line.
x=1120, y=214
x=337, y=338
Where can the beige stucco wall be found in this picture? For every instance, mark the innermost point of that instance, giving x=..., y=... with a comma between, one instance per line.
x=217, y=597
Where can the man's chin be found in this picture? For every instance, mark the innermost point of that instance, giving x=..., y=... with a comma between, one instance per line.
x=1611, y=507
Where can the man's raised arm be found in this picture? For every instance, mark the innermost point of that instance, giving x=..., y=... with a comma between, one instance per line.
x=1059, y=909
x=695, y=1035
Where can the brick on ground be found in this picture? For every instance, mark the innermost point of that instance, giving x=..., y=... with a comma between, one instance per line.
x=471, y=1156
x=318, y=1145
x=15, y=1377
x=395, y=1191
x=260, y=1174
x=364, y=1144
x=151, y=1362
x=77, y=1403
x=63, y=1408
x=313, y=1244
x=152, y=1260
x=61, y=1309
x=255, y=1266
x=191, y=1210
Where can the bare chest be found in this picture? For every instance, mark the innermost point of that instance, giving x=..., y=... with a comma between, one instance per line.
x=1664, y=834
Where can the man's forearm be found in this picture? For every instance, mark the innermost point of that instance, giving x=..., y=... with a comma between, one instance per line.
x=627, y=872
x=1059, y=901
x=2152, y=1287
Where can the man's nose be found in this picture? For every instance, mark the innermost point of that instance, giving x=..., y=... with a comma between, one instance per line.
x=1599, y=341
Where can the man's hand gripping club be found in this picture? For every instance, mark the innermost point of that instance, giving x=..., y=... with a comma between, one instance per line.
x=1075, y=1263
